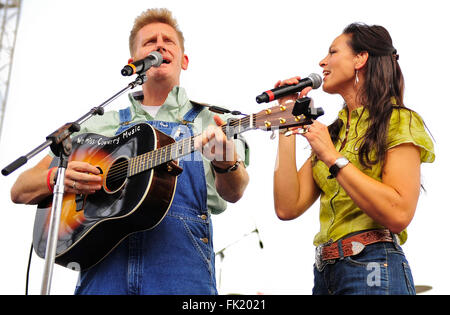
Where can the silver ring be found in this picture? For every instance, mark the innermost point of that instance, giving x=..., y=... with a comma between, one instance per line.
x=74, y=185
x=303, y=130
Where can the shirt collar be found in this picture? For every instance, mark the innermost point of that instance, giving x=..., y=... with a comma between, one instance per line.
x=343, y=113
x=176, y=98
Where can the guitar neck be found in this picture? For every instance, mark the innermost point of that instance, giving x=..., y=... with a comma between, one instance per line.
x=184, y=147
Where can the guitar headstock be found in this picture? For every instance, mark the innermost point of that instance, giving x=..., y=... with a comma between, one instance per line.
x=293, y=114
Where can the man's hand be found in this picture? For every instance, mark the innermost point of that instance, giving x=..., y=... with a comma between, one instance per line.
x=215, y=146
x=82, y=178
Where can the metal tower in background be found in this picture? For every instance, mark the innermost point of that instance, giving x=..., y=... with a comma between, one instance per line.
x=9, y=22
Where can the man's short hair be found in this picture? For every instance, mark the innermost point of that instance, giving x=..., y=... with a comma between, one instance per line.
x=158, y=15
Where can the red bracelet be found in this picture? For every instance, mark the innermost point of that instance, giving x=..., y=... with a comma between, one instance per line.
x=49, y=174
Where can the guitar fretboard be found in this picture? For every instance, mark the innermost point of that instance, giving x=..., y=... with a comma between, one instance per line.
x=183, y=147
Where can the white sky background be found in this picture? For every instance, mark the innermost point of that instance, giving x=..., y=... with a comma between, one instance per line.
x=68, y=59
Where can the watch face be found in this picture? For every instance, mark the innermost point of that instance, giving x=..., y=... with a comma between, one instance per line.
x=341, y=162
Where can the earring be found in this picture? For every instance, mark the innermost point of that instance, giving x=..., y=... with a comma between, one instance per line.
x=356, y=78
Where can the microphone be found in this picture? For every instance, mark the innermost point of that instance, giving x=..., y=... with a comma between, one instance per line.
x=314, y=80
x=154, y=59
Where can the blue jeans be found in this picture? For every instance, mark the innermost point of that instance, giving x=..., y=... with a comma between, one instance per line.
x=380, y=269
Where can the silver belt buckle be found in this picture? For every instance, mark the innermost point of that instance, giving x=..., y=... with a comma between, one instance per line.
x=319, y=263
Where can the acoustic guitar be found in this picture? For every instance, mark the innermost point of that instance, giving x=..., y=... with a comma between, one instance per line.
x=139, y=169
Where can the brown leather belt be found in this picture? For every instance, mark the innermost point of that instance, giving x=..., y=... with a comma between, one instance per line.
x=351, y=245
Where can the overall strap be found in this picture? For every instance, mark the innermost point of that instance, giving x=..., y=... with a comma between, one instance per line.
x=190, y=116
x=125, y=116
x=125, y=120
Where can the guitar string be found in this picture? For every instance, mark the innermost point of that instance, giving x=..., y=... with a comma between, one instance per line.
x=141, y=163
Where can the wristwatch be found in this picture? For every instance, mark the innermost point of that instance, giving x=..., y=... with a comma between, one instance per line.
x=228, y=169
x=336, y=167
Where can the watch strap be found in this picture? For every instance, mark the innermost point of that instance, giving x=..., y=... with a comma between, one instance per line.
x=334, y=170
x=228, y=169
x=336, y=167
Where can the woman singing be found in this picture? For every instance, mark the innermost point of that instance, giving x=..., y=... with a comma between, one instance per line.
x=365, y=167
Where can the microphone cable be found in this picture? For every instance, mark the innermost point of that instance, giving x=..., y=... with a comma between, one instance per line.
x=28, y=269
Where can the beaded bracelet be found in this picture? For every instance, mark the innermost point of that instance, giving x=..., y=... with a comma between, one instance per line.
x=49, y=174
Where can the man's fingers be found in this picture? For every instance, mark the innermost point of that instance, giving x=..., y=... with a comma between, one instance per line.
x=83, y=167
x=219, y=122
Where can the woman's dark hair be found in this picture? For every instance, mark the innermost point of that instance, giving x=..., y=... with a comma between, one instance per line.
x=382, y=90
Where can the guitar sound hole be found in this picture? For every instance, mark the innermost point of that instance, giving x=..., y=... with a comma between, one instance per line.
x=117, y=175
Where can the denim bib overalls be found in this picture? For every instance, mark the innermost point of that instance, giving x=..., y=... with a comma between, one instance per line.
x=175, y=257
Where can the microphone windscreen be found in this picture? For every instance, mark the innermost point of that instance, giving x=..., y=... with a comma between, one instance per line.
x=157, y=58
x=316, y=80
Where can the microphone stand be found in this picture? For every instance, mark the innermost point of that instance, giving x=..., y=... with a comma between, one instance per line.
x=221, y=253
x=61, y=145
